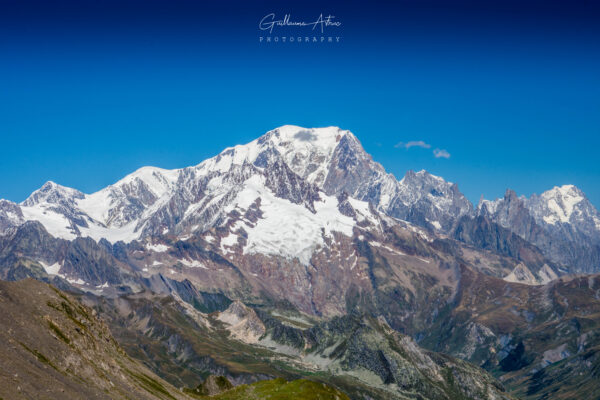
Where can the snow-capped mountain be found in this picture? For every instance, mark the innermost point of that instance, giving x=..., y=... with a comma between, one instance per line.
x=276, y=210
x=305, y=167
x=322, y=178
x=113, y=213
x=561, y=222
x=565, y=205
x=305, y=219
x=344, y=166
x=560, y=206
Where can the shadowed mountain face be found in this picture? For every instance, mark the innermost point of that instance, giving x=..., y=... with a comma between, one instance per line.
x=299, y=238
x=542, y=340
x=561, y=222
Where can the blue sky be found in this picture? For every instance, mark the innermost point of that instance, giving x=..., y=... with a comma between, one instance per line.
x=90, y=91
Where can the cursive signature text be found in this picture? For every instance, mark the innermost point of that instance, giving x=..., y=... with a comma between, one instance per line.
x=268, y=22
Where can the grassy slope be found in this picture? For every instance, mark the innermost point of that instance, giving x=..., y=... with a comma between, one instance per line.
x=280, y=389
x=54, y=347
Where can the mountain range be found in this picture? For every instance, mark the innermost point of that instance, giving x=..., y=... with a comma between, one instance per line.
x=299, y=256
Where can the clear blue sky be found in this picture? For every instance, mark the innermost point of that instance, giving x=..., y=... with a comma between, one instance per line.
x=90, y=91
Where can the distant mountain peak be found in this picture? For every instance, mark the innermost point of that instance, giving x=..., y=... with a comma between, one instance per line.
x=559, y=218
x=158, y=180
x=316, y=136
x=510, y=194
x=560, y=204
x=423, y=176
x=51, y=192
x=571, y=192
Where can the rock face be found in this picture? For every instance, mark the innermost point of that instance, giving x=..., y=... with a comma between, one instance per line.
x=242, y=322
x=370, y=351
x=30, y=251
x=485, y=234
x=561, y=222
x=420, y=198
x=53, y=347
x=537, y=337
x=10, y=216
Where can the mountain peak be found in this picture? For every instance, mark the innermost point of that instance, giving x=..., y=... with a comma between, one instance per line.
x=423, y=176
x=309, y=151
x=158, y=180
x=297, y=138
x=565, y=191
x=510, y=195
x=560, y=203
x=51, y=185
x=300, y=133
x=426, y=174
x=52, y=192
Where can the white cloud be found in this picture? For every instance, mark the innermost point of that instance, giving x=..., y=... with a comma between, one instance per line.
x=413, y=143
x=438, y=153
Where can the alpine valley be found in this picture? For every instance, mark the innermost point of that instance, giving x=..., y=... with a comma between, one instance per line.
x=295, y=267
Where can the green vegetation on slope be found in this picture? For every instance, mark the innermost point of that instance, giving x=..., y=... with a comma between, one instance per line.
x=279, y=389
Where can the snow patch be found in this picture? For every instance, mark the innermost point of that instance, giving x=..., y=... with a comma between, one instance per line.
x=380, y=245
x=229, y=240
x=77, y=281
x=159, y=248
x=363, y=210
x=287, y=229
x=51, y=269
x=56, y=224
x=192, y=263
